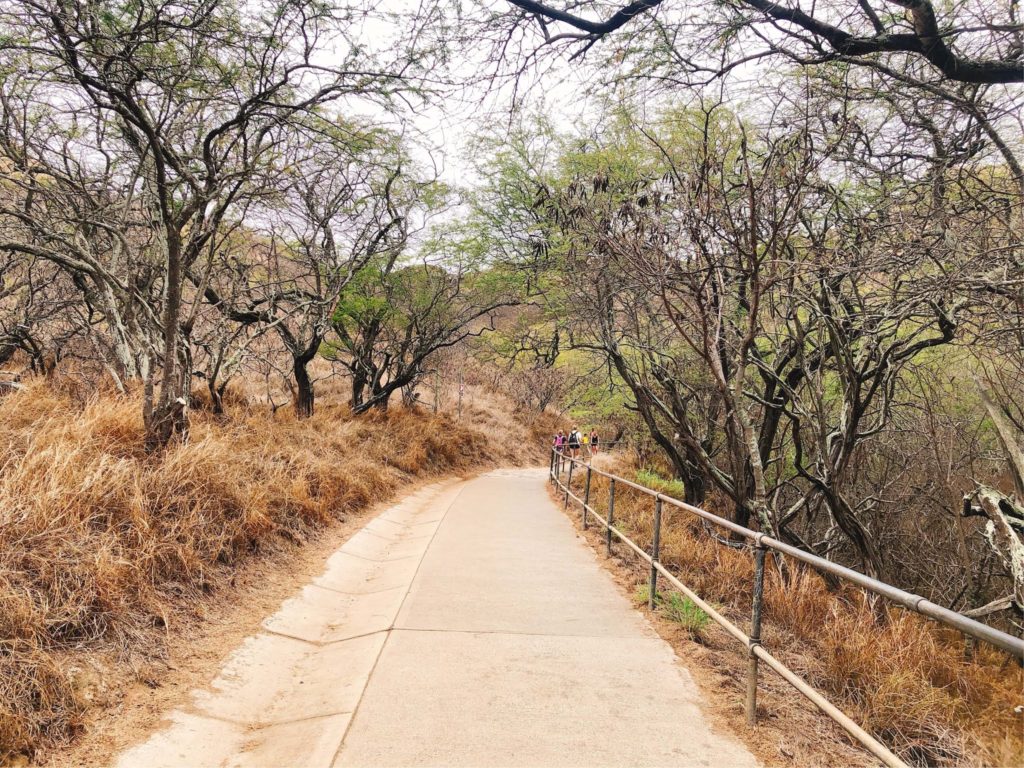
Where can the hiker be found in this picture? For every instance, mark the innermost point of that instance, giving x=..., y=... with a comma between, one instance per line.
x=588, y=450
x=559, y=441
x=574, y=442
x=594, y=442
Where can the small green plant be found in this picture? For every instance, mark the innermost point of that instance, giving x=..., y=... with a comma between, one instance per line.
x=642, y=594
x=676, y=607
x=684, y=612
x=652, y=479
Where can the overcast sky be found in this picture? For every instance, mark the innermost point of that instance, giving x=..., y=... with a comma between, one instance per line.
x=474, y=101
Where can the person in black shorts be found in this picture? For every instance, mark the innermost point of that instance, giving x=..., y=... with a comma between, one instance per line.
x=574, y=442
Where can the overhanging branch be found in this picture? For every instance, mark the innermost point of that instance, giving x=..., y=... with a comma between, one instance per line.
x=926, y=40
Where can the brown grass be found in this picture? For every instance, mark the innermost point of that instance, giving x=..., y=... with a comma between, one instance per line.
x=905, y=679
x=101, y=543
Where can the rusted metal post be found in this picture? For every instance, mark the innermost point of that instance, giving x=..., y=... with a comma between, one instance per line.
x=568, y=485
x=655, y=546
x=611, y=517
x=586, y=499
x=755, y=631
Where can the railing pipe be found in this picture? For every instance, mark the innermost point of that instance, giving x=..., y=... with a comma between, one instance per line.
x=705, y=606
x=873, y=745
x=611, y=517
x=655, y=547
x=908, y=600
x=568, y=482
x=586, y=498
x=757, y=652
x=755, y=632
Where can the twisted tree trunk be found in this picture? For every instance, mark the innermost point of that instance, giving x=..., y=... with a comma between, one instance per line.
x=304, y=394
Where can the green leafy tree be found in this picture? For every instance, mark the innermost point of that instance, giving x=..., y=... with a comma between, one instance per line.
x=398, y=312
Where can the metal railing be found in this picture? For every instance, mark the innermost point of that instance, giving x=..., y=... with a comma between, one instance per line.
x=761, y=544
x=586, y=449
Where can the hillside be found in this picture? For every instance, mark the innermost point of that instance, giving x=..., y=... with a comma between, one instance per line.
x=107, y=551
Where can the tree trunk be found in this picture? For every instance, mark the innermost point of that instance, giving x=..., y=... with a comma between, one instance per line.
x=304, y=394
x=1008, y=438
x=358, y=387
x=169, y=418
x=216, y=395
x=409, y=398
x=1004, y=532
x=742, y=514
x=380, y=397
x=167, y=421
x=855, y=531
x=694, y=482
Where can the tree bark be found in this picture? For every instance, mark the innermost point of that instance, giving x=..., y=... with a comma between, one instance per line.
x=216, y=395
x=1004, y=532
x=304, y=394
x=358, y=387
x=380, y=396
x=169, y=418
x=855, y=531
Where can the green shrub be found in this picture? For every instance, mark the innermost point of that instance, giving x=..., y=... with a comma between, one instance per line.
x=653, y=480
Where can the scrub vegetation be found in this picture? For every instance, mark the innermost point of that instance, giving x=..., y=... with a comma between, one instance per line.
x=250, y=281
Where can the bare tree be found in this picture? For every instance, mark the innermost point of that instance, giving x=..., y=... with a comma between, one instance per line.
x=762, y=317
x=190, y=101
x=968, y=41
x=338, y=202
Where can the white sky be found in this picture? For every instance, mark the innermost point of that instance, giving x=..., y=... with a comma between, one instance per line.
x=477, y=104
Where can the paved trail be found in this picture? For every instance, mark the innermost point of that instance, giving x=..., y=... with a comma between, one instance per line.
x=466, y=626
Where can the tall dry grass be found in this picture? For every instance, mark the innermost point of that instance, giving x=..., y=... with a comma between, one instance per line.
x=904, y=678
x=100, y=541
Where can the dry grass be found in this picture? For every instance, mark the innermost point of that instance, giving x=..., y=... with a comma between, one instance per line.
x=100, y=543
x=904, y=678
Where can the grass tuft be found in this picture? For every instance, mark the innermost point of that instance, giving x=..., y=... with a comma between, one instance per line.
x=677, y=608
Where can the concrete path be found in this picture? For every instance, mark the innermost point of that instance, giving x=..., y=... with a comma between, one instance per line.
x=466, y=626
